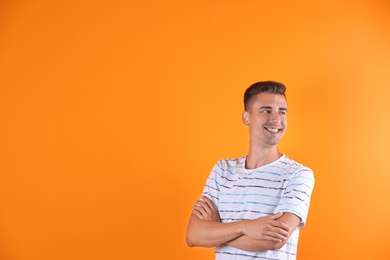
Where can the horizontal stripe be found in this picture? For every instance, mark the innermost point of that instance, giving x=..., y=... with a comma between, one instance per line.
x=246, y=211
x=298, y=198
x=217, y=173
x=212, y=188
x=291, y=244
x=264, y=179
x=303, y=177
x=255, y=186
x=300, y=184
x=294, y=205
x=264, y=172
x=250, y=194
x=248, y=202
x=226, y=170
x=246, y=255
x=294, y=190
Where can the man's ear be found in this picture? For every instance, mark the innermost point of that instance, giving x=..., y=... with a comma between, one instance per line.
x=245, y=117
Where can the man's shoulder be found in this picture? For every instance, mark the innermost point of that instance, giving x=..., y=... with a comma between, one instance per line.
x=293, y=165
x=237, y=162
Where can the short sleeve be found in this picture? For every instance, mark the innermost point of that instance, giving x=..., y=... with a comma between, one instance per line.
x=213, y=183
x=296, y=198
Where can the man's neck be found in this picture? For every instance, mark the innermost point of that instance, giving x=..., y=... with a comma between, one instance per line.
x=260, y=156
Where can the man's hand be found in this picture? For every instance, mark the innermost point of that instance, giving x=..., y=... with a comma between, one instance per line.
x=204, y=209
x=267, y=228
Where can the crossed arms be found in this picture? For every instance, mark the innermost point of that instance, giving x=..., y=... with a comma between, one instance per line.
x=265, y=233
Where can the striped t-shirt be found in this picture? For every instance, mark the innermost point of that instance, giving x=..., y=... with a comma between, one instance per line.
x=281, y=186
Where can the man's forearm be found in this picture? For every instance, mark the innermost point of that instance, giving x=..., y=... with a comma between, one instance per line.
x=250, y=244
x=210, y=234
x=247, y=243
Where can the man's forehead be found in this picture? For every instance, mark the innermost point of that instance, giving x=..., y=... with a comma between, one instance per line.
x=272, y=100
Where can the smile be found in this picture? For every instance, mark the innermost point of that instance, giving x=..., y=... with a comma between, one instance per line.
x=273, y=130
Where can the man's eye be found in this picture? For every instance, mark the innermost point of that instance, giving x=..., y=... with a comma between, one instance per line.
x=282, y=112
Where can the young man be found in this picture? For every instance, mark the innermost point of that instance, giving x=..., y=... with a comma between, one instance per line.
x=252, y=207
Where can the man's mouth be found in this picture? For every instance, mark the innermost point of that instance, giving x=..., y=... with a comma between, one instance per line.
x=273, y=129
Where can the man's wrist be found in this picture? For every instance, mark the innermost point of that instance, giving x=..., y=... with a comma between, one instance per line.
x=242, y=227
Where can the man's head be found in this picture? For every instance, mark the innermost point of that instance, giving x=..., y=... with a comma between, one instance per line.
x=271, y=87
x=265, y=112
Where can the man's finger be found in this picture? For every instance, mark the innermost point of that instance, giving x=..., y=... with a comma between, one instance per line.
x=198, y=214
x=200, y=209
x=281, y=225
x=209, y=202
x=278, y=235
x=273, y=239
x=205, y=205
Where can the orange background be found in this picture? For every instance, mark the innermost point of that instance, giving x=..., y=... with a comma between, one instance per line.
x=112, y=114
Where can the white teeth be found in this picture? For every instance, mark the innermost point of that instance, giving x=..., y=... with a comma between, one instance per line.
x=273, y=130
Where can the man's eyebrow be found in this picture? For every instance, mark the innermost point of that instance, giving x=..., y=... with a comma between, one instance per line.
x=269, y=107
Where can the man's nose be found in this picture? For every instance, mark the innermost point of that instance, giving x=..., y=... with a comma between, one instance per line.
x=275, y=117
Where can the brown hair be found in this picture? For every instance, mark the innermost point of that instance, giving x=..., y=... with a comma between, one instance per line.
x=263, y=86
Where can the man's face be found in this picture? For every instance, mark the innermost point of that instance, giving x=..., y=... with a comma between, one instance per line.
x=266, y=118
